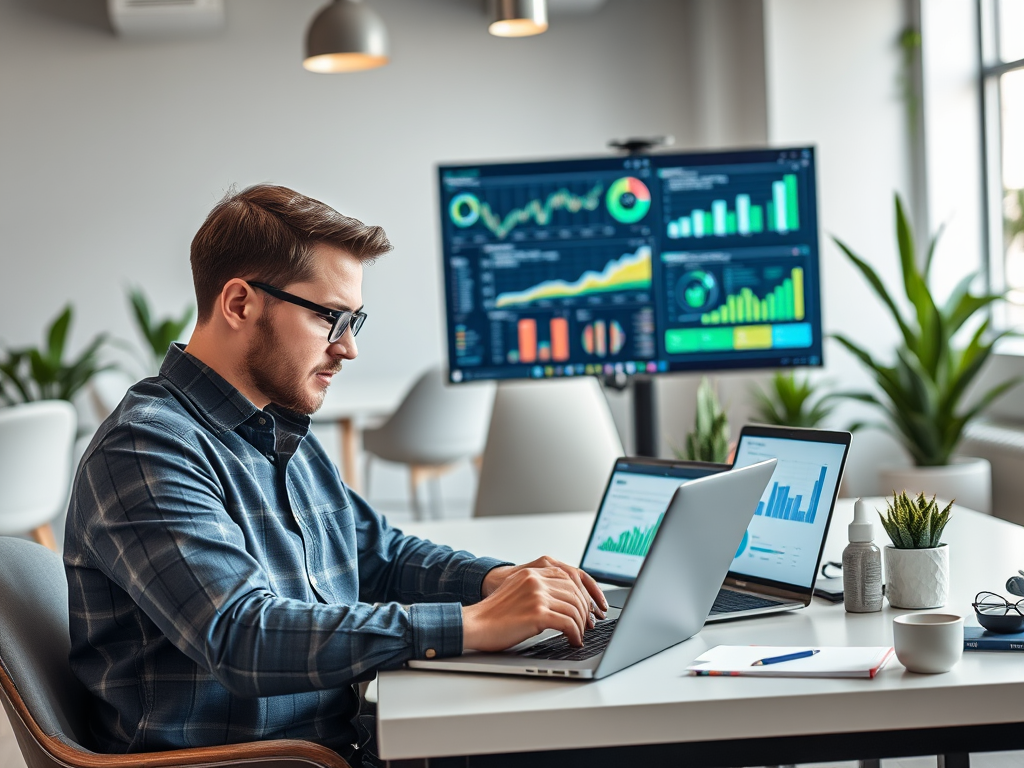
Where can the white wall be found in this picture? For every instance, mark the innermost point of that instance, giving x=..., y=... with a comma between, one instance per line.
x=112, y=151
x=832, y=69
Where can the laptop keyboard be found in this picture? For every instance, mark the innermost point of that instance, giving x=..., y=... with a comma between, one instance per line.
x=729, y=601
x=594, y=642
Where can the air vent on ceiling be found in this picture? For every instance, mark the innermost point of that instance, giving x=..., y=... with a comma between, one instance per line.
x=165, y=18
x=558, y=7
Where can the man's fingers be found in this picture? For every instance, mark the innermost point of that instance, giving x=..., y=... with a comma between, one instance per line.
x=565, y=625
x=594, y=590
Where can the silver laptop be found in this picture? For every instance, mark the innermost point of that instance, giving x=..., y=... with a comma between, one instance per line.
x=688, y=549
x=778, y=557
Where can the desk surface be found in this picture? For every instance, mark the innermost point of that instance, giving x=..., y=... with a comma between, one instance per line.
x=423, y=714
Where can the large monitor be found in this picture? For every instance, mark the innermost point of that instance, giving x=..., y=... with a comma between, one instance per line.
x=640, y=264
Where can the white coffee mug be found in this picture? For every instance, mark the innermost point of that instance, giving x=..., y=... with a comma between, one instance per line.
x=928, y=642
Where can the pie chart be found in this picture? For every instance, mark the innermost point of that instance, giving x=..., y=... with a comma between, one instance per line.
x=628, y=200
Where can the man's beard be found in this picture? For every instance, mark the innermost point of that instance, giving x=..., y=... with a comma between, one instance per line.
x=278, y=379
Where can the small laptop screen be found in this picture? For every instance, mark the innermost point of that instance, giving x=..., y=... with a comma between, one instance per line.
x=784, y=538
x=634, y=504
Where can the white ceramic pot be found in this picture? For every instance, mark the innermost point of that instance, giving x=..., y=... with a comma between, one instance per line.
x=917, y=578
x=967, y=480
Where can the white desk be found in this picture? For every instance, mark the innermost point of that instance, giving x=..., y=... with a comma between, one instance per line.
x=349, y=403
x=717, y=721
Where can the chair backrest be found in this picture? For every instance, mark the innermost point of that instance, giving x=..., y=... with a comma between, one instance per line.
x=34, y=645
x=550, y=448
x=36, y=441
x=436, y=423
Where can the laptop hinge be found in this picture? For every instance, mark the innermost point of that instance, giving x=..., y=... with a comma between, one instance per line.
x=764, y=589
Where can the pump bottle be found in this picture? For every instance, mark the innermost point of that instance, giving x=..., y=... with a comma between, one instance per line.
x=862, y=564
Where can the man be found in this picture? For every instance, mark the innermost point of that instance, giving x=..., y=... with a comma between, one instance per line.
x=224, y=585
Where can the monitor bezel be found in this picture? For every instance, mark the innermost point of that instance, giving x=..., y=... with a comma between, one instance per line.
x=706, y=467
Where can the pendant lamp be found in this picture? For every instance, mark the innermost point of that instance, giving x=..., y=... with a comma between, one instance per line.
x=518, y=18
x=346, y=36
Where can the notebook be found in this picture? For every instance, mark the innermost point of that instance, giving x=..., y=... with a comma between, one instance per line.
x=835, y=661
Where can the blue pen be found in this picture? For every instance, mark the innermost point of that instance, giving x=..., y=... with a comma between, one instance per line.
x=787, y=657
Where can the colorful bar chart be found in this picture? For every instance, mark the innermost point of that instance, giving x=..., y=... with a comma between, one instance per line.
x=634, y=542
x=532, y=350
x=782, y=506
x=784, y=303
x=779, y=214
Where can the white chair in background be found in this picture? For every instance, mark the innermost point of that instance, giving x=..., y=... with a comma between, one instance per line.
x=550, y=448
x=36, y=441
x=434, y=427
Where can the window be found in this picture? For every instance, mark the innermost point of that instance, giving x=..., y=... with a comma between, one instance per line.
x=1003, y=104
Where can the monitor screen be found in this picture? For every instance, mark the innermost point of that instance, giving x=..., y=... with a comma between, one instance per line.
x=642, y=264
x=634, y=503
x=783, y=542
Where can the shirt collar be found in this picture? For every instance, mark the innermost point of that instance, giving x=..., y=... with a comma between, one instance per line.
x=223, y=405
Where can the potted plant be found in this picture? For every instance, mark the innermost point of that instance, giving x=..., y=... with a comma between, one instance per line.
x=791, y=402
x=709, y=440
x=29, y=373
x=922, y=391
x=917, y=562
x=158, y=333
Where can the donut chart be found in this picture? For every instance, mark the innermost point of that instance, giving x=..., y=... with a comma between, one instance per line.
x=628, y=200
x=464, y=210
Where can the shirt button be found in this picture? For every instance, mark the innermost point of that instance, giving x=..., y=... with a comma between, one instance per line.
x=431, y=653
x=262, y=421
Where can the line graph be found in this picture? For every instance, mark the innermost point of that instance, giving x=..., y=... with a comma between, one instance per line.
x=466, y=209
x=629, y=272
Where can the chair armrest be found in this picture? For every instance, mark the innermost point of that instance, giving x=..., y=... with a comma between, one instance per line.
x=51, y=750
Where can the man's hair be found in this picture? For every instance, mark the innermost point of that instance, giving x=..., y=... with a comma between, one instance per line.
x=268, y=233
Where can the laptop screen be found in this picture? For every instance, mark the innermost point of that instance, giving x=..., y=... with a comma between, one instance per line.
x=633, y=506
x=784, y=540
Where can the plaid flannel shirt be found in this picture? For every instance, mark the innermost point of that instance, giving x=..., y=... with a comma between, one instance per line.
x=226, y=586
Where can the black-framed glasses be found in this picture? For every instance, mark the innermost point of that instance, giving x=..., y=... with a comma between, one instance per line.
x=341, y=319
x=991, y=604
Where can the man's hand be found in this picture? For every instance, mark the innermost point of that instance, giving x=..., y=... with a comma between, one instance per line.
x=522, y=601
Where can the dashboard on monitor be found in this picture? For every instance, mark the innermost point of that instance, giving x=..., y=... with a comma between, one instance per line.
x=641, y=264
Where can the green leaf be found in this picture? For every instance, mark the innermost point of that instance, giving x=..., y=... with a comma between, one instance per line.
x=57, y=336
x=879, y=287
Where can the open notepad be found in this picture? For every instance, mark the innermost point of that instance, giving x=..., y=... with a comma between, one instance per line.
x=732, y=660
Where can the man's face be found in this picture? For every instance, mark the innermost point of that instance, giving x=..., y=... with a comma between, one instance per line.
x=289, y=359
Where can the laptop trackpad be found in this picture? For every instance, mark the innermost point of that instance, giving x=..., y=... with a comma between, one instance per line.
x=616, y=596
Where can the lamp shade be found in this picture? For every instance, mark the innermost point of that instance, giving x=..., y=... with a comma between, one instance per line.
x=518, y=18
x=346, y=36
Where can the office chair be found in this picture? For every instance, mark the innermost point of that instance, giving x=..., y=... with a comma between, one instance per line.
x=550, y=448
x=434, y=427
x=36, y=441
x=46, y=703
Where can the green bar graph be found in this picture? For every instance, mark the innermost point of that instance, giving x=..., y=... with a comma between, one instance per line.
x=792, y=214
x=634, y=542
x=778, y=212
x=756, y=218
x=780, y=305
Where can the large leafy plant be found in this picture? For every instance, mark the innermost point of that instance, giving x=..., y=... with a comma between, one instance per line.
x=792, y=402
x=922, y=391
x=43, y=373
x=158, y=334
x=709, y=440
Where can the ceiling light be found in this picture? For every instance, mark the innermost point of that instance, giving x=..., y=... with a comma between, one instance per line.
x=346, y=36
x=518, y=18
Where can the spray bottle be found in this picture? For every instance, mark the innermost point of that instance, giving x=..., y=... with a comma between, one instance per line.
x=862, y=564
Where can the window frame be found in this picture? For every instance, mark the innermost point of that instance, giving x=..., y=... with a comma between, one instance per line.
x=991, y=68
